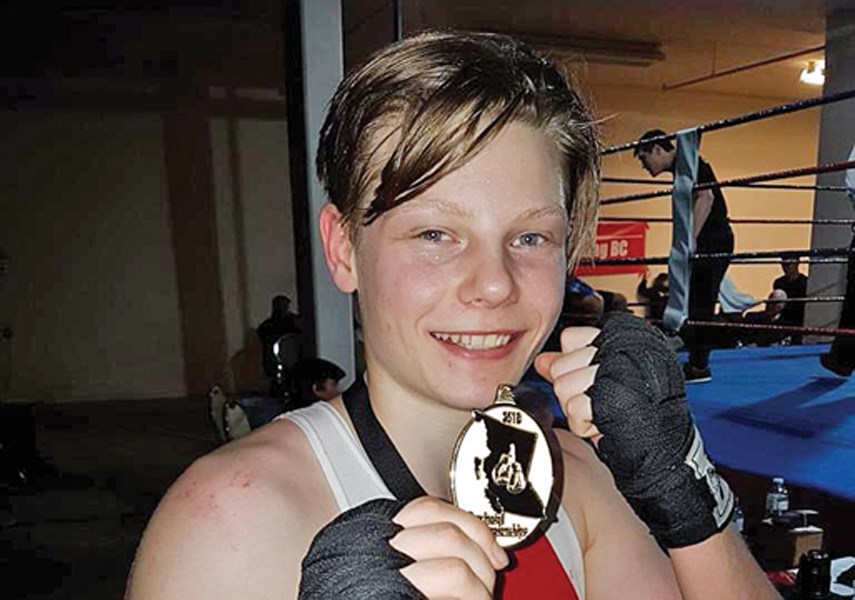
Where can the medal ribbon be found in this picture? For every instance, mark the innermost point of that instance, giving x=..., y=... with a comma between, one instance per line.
x=381, y=451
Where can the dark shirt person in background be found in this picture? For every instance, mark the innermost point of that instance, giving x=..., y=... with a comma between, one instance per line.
x=583, y=305
x=794, y=283
x=712, y=234
x=840, y=359
x=280, y=345
x=772, y=314
x=656, y=295
x=613, y=302
x=319, y=379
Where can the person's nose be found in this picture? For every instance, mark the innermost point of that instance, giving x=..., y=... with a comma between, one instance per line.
x=490, y=278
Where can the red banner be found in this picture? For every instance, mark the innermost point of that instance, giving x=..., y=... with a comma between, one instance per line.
x=615, y=241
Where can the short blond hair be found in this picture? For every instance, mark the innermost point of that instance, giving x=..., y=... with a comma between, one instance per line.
x=422, y=107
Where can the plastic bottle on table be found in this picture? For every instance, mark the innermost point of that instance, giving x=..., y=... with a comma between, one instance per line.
x=738, y=518
x=777, y=498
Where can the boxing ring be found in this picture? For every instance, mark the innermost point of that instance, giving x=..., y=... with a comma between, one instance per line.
x=775, y=412
x=772, y=411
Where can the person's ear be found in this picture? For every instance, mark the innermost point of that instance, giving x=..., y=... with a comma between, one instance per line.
x=338, y=249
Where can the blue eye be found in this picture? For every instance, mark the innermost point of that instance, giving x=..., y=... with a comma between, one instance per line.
x=433, y=235
x=529, y=239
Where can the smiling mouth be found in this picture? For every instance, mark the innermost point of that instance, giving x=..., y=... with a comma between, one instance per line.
x=471, y=341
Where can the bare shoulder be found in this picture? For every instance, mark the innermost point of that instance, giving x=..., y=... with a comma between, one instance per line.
x=590, y=495
x=585, y=479
x=609, y=531
x=237, y=522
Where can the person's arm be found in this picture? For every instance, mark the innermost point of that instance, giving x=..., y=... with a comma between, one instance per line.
x=642, y=290
x=236, y=524
x=657, y=460
x=703, y=202
x=722, y=567
x=239, y=523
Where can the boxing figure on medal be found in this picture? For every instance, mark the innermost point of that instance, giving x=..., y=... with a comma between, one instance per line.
x=502, y=470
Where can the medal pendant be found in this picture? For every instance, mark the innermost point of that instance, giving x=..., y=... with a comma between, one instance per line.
x=502, y=470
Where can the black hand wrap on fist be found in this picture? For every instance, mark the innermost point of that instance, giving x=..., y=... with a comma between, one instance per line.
x=649, y=441
x=351, y=557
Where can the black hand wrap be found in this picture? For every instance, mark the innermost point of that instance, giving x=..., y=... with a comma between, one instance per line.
x=649, y=441
x=351, y=557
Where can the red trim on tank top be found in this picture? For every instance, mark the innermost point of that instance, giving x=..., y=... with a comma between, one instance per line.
x=536, y=573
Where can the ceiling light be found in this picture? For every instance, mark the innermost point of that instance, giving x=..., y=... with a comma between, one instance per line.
x=814, y=74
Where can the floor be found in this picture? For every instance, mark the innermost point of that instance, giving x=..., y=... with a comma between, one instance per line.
x=102, y=468
x=776, y=412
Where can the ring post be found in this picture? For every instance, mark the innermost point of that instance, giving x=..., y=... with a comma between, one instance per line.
x=682, y=238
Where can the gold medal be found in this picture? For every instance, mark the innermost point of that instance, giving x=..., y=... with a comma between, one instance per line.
x=502, y=470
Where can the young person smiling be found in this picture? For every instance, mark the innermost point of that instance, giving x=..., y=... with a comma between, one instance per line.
x=462, y=173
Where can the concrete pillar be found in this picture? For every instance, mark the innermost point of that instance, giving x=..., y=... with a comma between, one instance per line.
x=319, y=71
x=837, y=135
x=187, y=158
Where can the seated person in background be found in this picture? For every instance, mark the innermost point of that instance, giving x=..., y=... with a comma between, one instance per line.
x=613, y=302
x=280, y=345
x=318, y=380
x=794, y=283
x=772, y=314
x=583, y=305
x=656, y=295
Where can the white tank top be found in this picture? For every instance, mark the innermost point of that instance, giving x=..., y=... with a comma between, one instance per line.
x=353, y=479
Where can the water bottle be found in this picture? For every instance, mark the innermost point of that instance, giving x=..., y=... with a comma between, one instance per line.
x=738, y=518
x=777, y=498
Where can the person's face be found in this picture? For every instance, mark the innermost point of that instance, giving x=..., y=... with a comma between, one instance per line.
x=655, y=161
x=773, y=308
x=281, y=306
x=460, y=286
x=790, y=269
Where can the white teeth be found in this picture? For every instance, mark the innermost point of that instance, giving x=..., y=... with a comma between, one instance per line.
x=474, y=342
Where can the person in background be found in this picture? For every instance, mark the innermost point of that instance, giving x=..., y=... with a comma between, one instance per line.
x=613, y=302
x=582, y=305
x=772, y=314
x=712, y=234
x=280, y=346
x=319, y=379
x=840, y=359
x=794, y=284
x=656, y=295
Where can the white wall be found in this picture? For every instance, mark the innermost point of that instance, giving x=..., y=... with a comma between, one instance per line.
x=91, y=291
x=255, y=233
